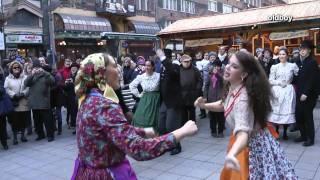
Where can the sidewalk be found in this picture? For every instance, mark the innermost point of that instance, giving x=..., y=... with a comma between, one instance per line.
x=202, y=157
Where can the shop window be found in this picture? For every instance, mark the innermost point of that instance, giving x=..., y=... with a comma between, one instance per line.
x=227, y=8
x=170, y=4
x=212, y=5
x=187, y=6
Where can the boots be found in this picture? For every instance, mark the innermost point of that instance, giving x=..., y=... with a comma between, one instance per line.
x=285, y=136
x=15, y=139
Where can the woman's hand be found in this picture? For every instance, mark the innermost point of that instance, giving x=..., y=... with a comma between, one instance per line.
x=188, y=129
x=200, y=102
x=231, y=162
x=150, y=133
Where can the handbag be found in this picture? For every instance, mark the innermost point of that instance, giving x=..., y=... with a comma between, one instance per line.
x=5, y=105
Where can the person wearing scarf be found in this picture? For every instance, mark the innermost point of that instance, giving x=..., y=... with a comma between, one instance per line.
x=104, y=136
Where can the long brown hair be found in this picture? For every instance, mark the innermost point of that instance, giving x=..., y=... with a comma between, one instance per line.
x=257, y=86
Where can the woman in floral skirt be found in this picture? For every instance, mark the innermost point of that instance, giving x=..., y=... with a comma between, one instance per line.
x=253, y=152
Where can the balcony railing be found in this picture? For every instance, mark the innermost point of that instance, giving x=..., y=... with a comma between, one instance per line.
x=125, y=9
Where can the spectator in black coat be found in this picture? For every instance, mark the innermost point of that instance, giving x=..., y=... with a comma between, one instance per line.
x=307, y=93
x=170, y=94
x=191, y=87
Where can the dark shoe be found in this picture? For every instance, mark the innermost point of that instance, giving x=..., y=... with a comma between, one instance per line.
x=214, y=135
x=15, y=142
x=50, y=139
x=24, y=139
x=29, y=133
x=5, y=147
x=59, y=132
x=294, y=129
x=203, y=116
x=74, y=132
x=175, y=151
x=299, y=139
x=308, y=143
x=40, y=138
x=220, y=135
x=285, y=137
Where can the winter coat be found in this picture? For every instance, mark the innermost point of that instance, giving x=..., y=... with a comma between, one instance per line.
x=15, y=86
x=191, y=84
x=39, y=92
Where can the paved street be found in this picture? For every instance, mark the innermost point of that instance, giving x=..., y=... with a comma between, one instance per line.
x=202, y=158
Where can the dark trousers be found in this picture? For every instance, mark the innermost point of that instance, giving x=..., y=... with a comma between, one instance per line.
x=169, y=119
x=57, y=117
x=304, y=118
x=43, y=116
x=216, y=119
x=188, y=113
x=18, y=121
x=72, y=110
x=3, y=130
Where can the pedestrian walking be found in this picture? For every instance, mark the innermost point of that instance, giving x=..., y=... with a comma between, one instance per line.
x=253, y=153
x=104, y=136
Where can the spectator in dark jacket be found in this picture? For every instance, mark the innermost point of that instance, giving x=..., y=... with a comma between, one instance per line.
x=40, y=83
x=191, y=87
x=127, y=71
x=307, y=85
x=266, y=61
x=170, y=94
x=4, y=98
x=213, y=92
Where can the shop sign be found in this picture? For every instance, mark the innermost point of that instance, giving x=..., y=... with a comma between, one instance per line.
x=24, y=39
x=2, y=46
x=288, y=35
x=203, y=42
x=76, y=36
x=129, y=37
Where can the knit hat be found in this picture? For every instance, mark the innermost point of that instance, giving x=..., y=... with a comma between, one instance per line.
x=212, y=54
x=295, y=50
x=36, y=63
x=141, y=60
x=74, y=64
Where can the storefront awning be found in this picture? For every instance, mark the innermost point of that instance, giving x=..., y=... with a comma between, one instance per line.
x=145, y=27
x=128, y=36
x=70, y=22
x=288, y=13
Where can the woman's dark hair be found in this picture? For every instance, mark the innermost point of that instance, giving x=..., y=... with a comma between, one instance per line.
x=283, y=48
x=257, y=86
x=152, y=63
x=269, y=50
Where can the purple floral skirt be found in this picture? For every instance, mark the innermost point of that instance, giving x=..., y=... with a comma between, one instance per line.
x=122, y=171
x=267, y=159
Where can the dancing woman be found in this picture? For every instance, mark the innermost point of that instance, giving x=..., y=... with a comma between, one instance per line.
x=253, y=152
x=103, y=134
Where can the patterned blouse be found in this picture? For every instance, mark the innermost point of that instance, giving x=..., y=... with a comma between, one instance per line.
x=104, y=136
x=148, y=83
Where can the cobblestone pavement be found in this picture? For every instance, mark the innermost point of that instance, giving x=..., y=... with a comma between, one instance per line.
x=202, y=158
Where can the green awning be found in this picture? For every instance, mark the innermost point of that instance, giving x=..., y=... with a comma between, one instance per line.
x=76, y=35
x=128, y=36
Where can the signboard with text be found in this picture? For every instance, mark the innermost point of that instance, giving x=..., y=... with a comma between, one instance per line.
x=24, y=39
